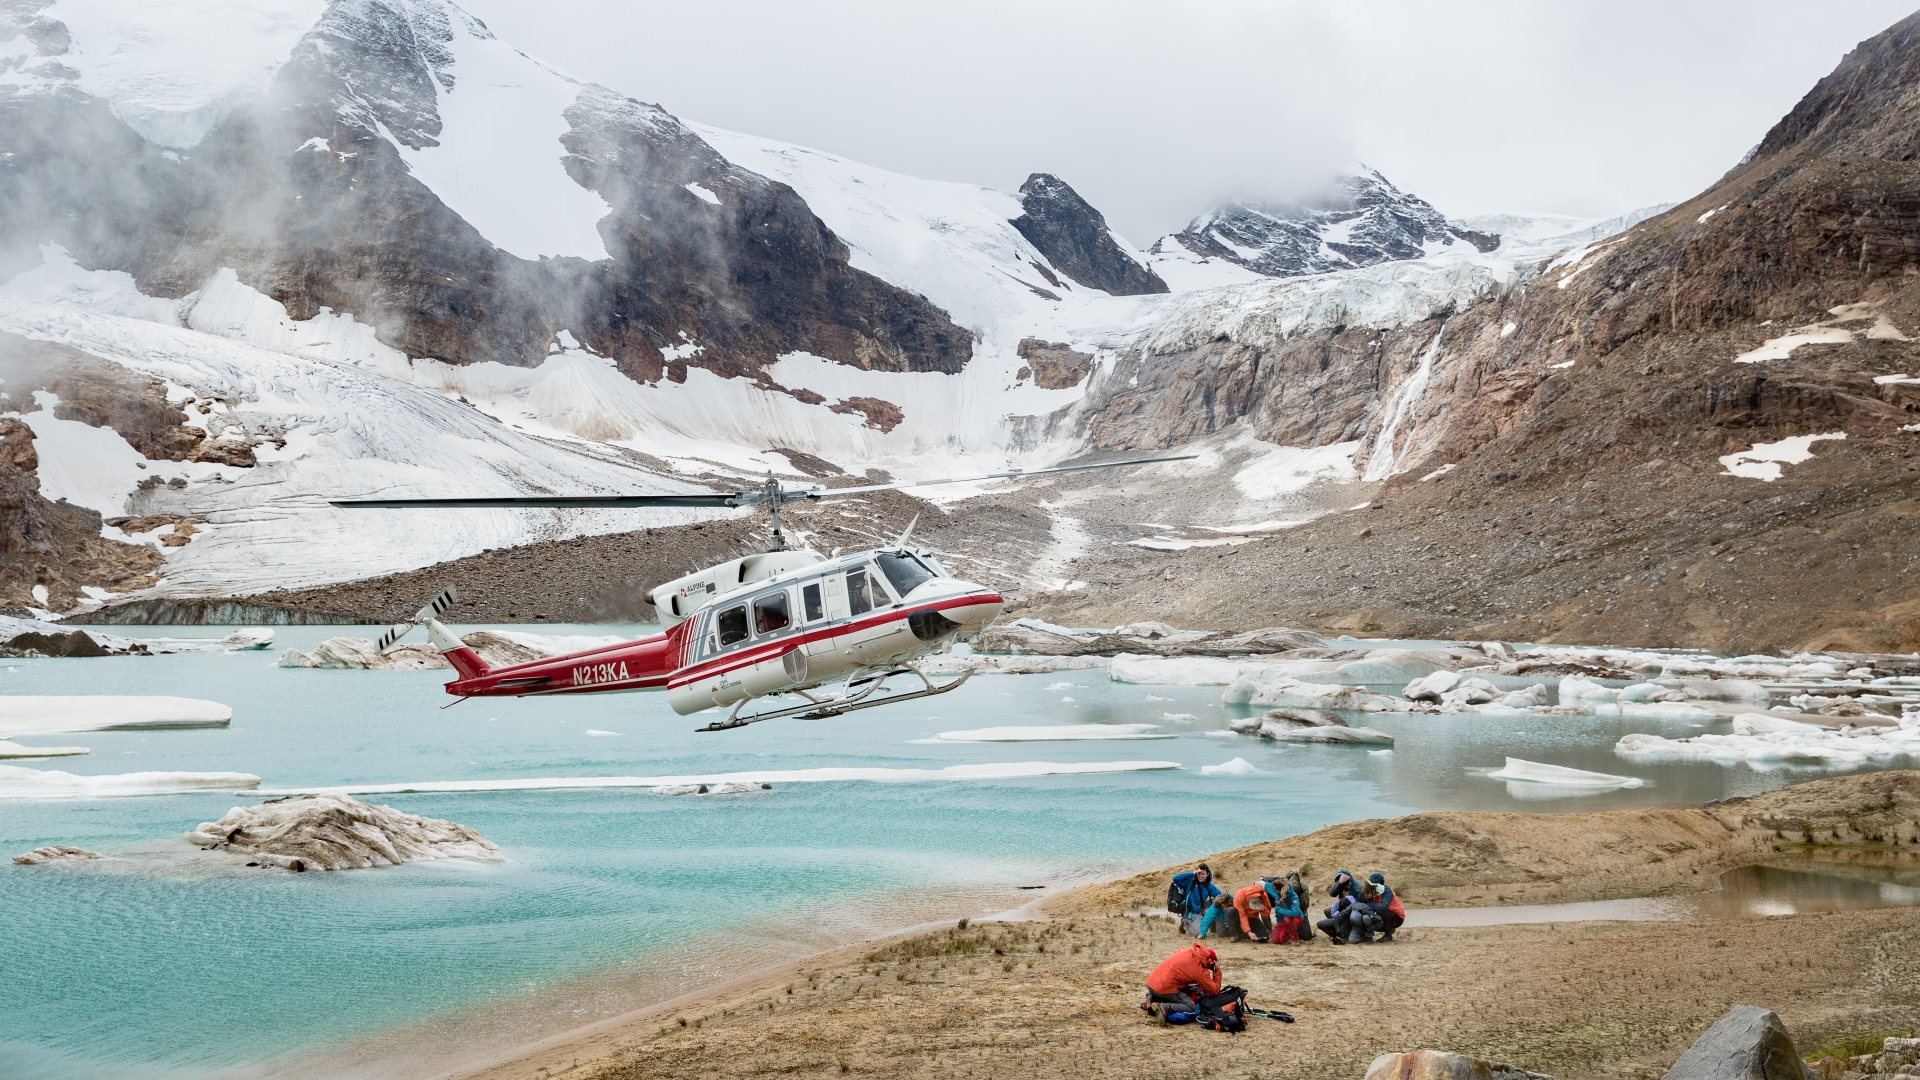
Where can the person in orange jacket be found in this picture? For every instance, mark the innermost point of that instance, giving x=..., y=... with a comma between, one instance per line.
x=1190, y=974
x=1255, y=905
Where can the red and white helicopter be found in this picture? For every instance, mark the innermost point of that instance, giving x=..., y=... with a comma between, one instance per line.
x=784, y=622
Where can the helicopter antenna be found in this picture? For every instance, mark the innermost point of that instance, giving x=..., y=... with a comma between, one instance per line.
x=908, y=531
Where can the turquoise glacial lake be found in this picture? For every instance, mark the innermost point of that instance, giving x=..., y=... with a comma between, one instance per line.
x=163, y=962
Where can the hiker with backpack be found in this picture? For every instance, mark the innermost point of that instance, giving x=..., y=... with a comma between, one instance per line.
x=1190, y=896
x=1181, y=980
x=1386, y=907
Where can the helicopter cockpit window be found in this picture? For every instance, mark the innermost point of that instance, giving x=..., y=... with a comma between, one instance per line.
x=860, y=593
x=771, y=613
x=810, y=602
x=905, y=571
x=733, y=625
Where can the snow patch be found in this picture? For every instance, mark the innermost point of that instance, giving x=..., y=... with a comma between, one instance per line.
x=1764, y=460
x=60, y=280
x=701, y=193
x=498, y=164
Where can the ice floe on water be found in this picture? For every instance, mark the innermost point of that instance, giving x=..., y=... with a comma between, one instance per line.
x=1010, y=770
x=1236, y=767
x=1309, y=725
x=23, y=636
x=1056, y=733
x=337, y=832
x=15, y=750
x=17, y=782
x=41, y=856
x=45, y=714
x=1768, y=740
x=1534, y=772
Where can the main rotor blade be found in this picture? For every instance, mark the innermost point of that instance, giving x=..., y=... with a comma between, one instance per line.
x=612, y=502
x=1014, y=474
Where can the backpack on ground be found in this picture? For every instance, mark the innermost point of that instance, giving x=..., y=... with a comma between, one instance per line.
x=1224, y=1011
x=1176, y=900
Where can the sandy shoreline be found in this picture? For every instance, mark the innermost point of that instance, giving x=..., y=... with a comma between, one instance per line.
x=919, y=1001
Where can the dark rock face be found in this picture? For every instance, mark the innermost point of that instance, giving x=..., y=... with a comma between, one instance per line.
x=1749, y=1043
x=1075, y=239
x=1054, y=366
x=1362, y=221
x=312, y=206
x=55, y=544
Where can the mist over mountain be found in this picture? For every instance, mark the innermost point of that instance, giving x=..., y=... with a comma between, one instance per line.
x=321, y=250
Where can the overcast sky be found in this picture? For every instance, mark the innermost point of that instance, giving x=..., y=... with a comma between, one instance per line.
x=1155, y=110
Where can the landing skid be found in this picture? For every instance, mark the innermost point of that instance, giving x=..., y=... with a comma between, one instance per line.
x=854, y=698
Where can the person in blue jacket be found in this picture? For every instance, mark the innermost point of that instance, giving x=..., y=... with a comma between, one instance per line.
x=1340, y=912
x=1289, y=912
x=1190, y=896
x=1383, y=905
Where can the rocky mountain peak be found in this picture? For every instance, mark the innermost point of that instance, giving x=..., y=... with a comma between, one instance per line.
x=1863, y=106
x=1361, y=220
x=1075, y=239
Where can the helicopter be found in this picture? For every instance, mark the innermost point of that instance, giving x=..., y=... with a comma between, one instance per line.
x=787, y=623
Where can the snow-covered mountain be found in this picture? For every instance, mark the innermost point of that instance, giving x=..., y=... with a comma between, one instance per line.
x=1361, y=220
x=363, y=245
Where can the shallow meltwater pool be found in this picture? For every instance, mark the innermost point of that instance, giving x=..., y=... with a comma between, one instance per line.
x=1750, y=892
x=163, y=961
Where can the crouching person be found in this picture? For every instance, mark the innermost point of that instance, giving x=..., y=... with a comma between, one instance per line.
x=1387, y=906
x=1339, y=914
x=1182, y=979
x=1289, y=911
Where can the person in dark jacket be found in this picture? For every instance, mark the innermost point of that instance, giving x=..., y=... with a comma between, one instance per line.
x=1363, y=914
x=1192, y=893
x=1391, y=912
x=1338, y=923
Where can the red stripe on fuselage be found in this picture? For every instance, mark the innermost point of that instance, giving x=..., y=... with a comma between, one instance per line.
x=651, y=661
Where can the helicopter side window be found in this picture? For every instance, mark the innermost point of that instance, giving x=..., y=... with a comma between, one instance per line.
x=859, y=593
x=733, y=625
x=810, y=602
x=904, y=571
x=771, y=613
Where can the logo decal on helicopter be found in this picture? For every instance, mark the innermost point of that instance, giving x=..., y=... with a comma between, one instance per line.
x=599, y=673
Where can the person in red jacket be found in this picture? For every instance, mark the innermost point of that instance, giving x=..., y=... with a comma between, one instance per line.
x=1183, y=978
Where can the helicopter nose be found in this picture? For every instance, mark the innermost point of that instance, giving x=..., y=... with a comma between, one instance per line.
x=982, y=607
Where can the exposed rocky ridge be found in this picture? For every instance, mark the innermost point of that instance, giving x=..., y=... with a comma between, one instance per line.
x=1584, y=407
x=342, y=223
x=1053, y=365
x=1075, y=239
x=1361, y=221
x=55, y=544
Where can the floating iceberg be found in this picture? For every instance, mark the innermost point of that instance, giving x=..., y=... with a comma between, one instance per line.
x=1533, y=772
x=30, y=715
x=1056, y=733
x=1011, y=770
x=31, y=636
x=337, y=832
x=1263, y=688
x=708, y=789
x=1236, y=767
x=21, y=783
x=1310, y=725
x=1764, y=741
x=40, y=856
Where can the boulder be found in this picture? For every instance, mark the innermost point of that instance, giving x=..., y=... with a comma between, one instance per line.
x=337, y=832
x=1441, y=1065
x=1749, y=1043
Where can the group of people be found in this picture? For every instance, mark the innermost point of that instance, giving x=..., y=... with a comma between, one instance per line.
x=1274, y=909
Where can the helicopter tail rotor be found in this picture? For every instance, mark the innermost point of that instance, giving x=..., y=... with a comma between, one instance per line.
x=422, y=617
